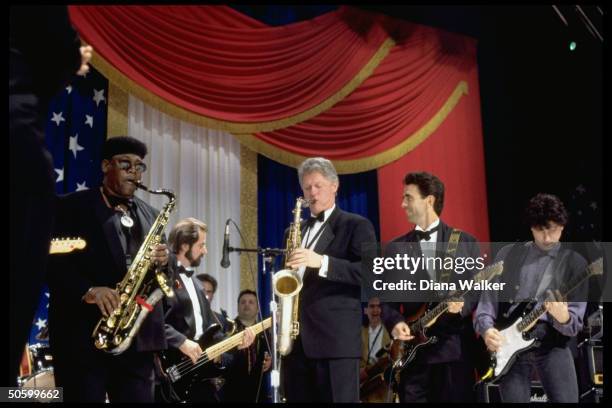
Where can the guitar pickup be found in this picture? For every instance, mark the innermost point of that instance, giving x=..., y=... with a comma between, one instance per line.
x=173, y=374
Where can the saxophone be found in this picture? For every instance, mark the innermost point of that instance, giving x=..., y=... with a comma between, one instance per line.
x=115, y=333
x=287, y=285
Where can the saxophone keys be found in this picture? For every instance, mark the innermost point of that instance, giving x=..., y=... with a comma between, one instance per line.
x=101, y=342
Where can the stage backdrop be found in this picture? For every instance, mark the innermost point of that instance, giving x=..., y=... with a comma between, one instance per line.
x=378, y=96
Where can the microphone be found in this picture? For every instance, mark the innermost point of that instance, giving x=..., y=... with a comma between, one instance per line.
x=225, y=262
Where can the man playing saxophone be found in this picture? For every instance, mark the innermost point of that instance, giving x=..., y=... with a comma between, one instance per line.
x=323, y=365
x=114, y=223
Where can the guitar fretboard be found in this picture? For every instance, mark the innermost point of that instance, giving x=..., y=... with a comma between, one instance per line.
x=594, y=268
x=486, y=274
x=216, y=350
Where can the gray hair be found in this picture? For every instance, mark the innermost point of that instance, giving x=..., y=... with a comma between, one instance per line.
x=320, y=165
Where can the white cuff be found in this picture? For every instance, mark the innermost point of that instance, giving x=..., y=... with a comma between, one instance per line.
x=324, y=266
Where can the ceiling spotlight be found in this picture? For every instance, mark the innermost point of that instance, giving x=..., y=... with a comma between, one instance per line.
x=572, y=45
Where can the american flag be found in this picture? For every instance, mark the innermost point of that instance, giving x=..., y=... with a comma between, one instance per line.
x=75, y=132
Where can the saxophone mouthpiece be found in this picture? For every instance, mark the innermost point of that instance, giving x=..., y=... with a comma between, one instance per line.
x=305, y=203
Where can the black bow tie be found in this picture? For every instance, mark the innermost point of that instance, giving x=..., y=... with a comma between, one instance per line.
x=426, y=235
x=188, y=272
x=311, y=221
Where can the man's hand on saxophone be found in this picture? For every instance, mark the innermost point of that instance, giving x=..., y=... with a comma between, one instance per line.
x=159, y=254
x=107, y=299
x=304, y=257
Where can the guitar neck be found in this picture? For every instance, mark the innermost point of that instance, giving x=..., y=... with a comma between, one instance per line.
x=216, y=350
x=485, y=274
x=538, y=311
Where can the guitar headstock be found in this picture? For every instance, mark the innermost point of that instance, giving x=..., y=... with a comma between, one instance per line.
x=66, y=245
x=490, y=271
x=596, y=267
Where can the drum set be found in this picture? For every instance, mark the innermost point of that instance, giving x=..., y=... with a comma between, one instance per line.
x=36, y=369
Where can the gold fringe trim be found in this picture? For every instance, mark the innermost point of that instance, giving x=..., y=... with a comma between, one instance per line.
x=368, y=163
x=129, y=86
x=248, y=214
x=117, y=118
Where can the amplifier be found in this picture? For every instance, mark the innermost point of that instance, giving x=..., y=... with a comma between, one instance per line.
x=490, y=393
x=590, y=364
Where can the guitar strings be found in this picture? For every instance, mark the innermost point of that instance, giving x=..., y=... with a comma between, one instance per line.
x=188, y=366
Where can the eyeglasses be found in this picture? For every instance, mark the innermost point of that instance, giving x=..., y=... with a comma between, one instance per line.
x=126, y=165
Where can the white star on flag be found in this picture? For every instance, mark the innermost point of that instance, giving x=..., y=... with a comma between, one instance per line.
x=69, y=89
x=40, y=323
x=57, y=118
x=98, y=96
x=47, y=295
x=74, y=145
x=89, y=120
x=60, y=175
x=81, y=187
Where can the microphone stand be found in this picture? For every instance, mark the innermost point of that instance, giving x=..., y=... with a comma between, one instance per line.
x=269, y=255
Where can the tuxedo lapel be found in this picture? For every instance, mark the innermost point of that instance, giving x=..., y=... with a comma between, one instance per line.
x=184, y=299
x=327, y=236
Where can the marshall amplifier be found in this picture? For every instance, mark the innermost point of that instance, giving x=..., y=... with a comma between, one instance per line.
x=490, y=393
x=589, y=365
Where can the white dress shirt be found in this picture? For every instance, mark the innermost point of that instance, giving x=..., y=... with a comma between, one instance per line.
x=429, y=247
x=197, y=310
x=309, y=234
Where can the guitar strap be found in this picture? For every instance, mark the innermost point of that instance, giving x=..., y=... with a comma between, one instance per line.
x=451, y=249
x=373, y=343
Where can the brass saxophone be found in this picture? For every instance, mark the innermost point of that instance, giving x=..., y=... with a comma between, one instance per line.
x=287, y=285
x=115, y=333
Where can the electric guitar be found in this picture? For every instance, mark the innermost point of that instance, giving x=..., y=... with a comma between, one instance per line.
x=419, y=327
x=515, y=335
x=65, y=245
x=183, y=374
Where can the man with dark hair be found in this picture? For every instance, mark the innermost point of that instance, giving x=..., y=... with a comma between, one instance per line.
x=323, y=365
x=442, y=372
x=44, y=53
x=374, y=337
x=209, y=284
x=531, y=270
x=114, y=223
x=188, y=314
x=245, y=370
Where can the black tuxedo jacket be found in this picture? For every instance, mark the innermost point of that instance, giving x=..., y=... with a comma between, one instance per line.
x=330, y=308
x=180, y=321
x=102, y=263
x=454, y=331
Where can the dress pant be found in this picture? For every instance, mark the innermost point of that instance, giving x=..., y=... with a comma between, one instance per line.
x=556, y=370
x=128, y=377
x=319, y=380
x=442, y=382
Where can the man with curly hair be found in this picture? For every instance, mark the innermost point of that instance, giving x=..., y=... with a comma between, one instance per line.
x=535, y=270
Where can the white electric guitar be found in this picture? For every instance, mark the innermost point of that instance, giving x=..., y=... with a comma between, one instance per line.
x=515, y=340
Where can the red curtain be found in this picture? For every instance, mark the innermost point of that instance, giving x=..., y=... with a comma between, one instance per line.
x=406, y=90
x=214, y=62
x=454, y=153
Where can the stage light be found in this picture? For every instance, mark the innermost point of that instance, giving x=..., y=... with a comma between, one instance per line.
x=572, y=45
